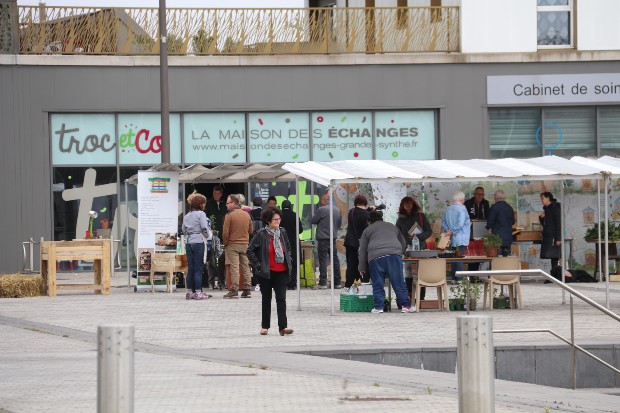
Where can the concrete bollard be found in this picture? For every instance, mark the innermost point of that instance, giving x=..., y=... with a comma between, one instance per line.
x=115, y=366
x=475, y=362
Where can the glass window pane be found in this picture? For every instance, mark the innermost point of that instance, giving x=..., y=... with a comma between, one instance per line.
x=279, y=137
x=512, y=132
x=609, y=130
x=553, y=28
x=569, y=131
x=553, y=2
x=74, y=185
x=338, y=136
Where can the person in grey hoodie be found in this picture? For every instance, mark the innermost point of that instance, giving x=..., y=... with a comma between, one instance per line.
x=324, y=241
x=380, y=253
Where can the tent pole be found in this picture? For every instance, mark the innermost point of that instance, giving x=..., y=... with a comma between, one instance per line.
x=299, y=211
x=331, y=242
x=606, y=181
x=127, y=235
x=562, y=221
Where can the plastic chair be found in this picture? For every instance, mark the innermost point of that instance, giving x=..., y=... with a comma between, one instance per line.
x=513, y=282
x=163, y=263
x=432, y=273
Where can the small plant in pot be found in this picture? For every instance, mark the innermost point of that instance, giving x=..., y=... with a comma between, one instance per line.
x=500, y=301
x=459, y=292
x=492, y=242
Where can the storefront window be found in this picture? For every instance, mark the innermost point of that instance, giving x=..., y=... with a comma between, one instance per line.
x=569, y=131
x=609, y=130
x=565, y=131
x=78, y=190
x=512, y=132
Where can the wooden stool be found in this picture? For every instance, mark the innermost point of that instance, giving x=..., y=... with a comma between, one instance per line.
x=162, y=262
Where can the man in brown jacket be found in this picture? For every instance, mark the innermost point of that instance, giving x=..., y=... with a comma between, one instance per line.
x=236, y=237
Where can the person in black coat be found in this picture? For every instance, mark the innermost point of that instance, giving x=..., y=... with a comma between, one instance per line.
x=357, y=221
x=500, y=221
x=551, y=221
x=289, y=222
x=269, y=252
x=477, y=208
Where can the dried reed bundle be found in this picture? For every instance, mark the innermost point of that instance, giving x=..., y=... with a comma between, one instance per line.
x=21, y=285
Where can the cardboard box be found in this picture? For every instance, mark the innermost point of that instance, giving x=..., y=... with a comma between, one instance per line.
x=528, y=236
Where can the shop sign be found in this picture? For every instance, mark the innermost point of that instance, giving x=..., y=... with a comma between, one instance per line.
x=214, y=138
x=340, y=136
x=83, y=139
x=139, y=138
x=405, y=135
x=552, y=89
x=279, y=137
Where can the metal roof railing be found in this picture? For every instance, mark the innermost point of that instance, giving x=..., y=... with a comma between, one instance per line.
x=330, y=30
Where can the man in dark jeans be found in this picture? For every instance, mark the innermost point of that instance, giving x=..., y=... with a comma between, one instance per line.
x=216, y=211
x=325, y=241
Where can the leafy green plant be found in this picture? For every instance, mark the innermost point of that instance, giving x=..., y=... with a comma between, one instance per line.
x=459, y=292
x=174, y=43
x=144, y=44
x=613, y=233
x=230, y=45
x=201, y=42
x=492, y=240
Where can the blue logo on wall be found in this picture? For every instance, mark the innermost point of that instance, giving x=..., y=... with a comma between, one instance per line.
x=555, y=145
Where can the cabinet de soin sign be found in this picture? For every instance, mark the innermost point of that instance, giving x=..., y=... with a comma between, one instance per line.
x=240, y=137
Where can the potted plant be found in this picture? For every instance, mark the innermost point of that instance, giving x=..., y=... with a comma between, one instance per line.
x=457, y=303
x=459, y=292
x=492, y=242
x=613, y=233
x=500, y=301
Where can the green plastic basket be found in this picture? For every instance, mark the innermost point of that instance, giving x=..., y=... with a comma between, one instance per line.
x=356, y=304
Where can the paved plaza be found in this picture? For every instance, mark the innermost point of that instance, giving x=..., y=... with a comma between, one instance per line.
x=195, y=356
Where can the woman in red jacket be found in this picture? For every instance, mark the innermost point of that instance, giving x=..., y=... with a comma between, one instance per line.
x=269, y=253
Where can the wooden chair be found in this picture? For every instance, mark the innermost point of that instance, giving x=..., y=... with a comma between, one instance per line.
x=432, y=273
x=162, y=262
x=513, y=282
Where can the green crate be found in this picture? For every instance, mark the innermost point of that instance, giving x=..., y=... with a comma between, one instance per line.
x=356, y=304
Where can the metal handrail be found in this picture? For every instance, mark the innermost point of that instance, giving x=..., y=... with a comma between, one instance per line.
x=29, y=255
x=565, y=287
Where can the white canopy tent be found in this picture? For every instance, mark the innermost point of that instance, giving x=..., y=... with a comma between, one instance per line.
x=227, y=173
x=509, y=169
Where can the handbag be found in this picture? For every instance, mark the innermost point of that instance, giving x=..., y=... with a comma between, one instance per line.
x=555, y=252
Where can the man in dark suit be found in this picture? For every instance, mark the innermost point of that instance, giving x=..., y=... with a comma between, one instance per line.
x=501, y=219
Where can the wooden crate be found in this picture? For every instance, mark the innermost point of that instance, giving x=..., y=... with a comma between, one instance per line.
x=97, y=250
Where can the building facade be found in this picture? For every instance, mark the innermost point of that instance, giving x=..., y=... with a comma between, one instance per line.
x=74, y=127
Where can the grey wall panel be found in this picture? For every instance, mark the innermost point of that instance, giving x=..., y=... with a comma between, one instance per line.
x=29, y=93
x=592, y=374
x=10, y=201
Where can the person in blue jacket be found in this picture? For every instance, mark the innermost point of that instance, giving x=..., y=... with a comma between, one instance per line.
x=500, y=221
x=457, y=225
